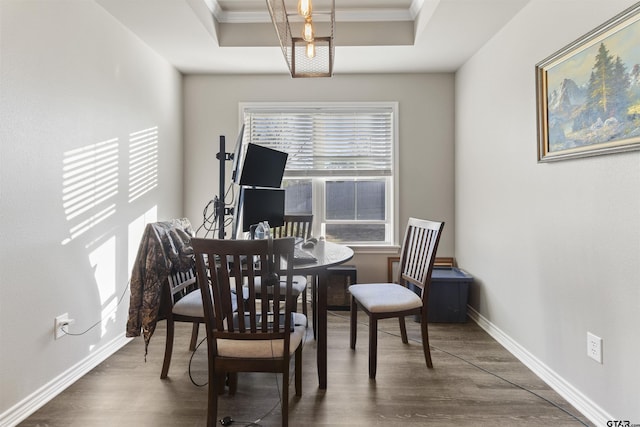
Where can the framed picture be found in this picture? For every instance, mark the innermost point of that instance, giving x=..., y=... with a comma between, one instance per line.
x=588, y=93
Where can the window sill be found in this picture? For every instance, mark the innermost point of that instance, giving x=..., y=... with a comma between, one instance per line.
x=373, y=249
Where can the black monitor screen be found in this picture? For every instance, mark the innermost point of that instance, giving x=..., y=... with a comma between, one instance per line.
x=237, y=215
x=262, y=204
x=263, y=167
x=237, y=157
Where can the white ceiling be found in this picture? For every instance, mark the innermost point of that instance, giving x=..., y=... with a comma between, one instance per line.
x=371, y=36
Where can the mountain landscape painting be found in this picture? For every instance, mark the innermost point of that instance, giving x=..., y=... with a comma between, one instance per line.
x=593, y=92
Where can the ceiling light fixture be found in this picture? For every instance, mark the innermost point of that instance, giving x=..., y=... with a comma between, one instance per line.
x=311, y=50
x=309, y=55
x=307, y=31
x=305, y=8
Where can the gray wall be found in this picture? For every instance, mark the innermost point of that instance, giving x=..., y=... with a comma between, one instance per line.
x=71, y=79
x=425, y=127
x=555, y=248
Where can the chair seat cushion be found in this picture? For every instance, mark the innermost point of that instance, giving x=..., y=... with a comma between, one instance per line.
x=191, y=304
x=385, y=297
x=264, y=349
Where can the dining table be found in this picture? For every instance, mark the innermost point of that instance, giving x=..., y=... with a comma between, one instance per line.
x=327, y=254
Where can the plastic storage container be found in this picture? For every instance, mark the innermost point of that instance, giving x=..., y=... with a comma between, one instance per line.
x=448, y=295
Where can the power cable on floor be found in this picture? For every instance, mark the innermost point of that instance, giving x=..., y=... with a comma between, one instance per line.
x=227, y=420
x=478, y=367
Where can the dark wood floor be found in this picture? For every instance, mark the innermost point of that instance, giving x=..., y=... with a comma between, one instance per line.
x=125, y=391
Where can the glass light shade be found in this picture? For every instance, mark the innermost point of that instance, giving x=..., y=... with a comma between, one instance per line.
x=305, y=8
x=307, y=31
x=311, y=50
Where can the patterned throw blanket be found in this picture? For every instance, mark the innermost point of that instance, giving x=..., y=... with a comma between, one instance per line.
x=165, y=249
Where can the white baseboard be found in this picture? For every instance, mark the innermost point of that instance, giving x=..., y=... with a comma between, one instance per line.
x=44, y=394
x=586, y=406
x=40, y=397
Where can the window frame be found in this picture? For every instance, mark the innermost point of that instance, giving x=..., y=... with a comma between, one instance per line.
x=319, y=183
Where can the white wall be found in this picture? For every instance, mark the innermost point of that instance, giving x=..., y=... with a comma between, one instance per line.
x=425, y=127
x=72, y=79
x=554, y=248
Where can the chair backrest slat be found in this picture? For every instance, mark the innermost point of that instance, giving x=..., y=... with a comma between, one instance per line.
x=228, y=269
x=295, y=226
x=418, y=252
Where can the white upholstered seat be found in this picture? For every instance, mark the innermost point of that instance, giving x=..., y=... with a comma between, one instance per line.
x=264, y=349
x=385, y=297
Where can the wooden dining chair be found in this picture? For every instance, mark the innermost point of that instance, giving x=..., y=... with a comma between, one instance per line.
x=163, y=284
x=300, y=226
x=182, y=302
x=390, y=300
x=262, y=334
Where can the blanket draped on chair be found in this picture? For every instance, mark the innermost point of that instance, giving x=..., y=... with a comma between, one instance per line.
x=165, y=249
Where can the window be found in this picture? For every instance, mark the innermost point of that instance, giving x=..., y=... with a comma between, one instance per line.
x=340, y=166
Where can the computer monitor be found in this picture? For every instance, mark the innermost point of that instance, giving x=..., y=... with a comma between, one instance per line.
x=236, y=224
x=262, y=167
x=262, y=204
x=236, y=168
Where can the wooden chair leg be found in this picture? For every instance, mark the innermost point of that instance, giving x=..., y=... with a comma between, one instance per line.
x=403, y=330
x=168, y=348
x=285, y=396
x=304, y=304
x=212, y=395
x=298, y=363
x=221, y=381
x=425, y=344
x=314, y=289
x=194, y=336
x=232, y=382
x=354, y=323
x=373, y=346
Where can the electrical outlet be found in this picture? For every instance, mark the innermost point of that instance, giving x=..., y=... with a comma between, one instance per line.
x=594, y=347
x=58, y=323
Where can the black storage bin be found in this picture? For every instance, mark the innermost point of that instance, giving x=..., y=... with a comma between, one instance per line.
x=448, y=295
x=340, y=277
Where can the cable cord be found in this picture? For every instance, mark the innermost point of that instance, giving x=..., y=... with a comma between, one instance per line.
x=193, y=353
x=210, y=219
x=257, y=421
x=291, y=378
x=507, y=381
x=279, y=402
x=63, y=328
x=479, y=368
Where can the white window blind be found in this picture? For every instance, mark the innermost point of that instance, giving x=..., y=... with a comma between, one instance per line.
x=326, y=141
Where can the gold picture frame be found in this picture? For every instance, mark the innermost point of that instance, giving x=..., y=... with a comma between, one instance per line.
x=588, y=93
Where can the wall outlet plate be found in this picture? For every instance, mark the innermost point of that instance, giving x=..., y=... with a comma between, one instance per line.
x=58, y=323
x=594, y=347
